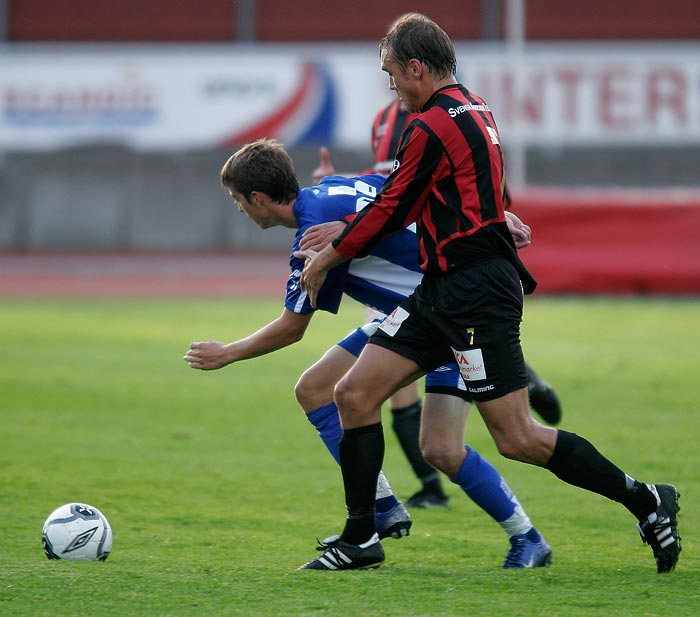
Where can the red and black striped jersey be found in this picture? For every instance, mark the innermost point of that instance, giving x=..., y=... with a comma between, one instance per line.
x=387, y=128
x=449, y=178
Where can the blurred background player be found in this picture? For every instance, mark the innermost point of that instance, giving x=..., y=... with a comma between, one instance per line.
x=387, y=127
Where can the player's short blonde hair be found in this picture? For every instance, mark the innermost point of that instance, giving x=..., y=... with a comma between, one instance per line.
x=415, y=36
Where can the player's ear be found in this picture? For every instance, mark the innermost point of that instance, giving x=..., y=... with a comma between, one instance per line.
x=415, y=68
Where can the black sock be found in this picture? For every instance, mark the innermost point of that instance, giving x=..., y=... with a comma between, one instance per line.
x=434, y=486
x=576, y=461
x=361, y=455
x=406, y=425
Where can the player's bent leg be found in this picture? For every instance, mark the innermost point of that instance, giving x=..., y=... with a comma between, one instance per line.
x=442, y=432
x=444, y=419
x=314, y=391
x=576, y=461
x=316, y=384
x=376, y=375
x=359, y=395
x=517, y=434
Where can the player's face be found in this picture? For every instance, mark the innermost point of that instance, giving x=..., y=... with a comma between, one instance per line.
x=254, y=209
x=403, y=82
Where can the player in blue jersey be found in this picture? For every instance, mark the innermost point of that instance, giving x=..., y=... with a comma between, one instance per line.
x=260, y=177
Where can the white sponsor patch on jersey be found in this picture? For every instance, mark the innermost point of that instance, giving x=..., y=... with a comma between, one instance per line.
x=393, y=322
x=341, y=190
x=471, y=364
x=494, y=136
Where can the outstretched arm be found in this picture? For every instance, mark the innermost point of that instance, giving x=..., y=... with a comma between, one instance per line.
x=286, y=330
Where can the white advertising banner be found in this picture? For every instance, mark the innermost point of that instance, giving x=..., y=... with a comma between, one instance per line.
x=156, y=97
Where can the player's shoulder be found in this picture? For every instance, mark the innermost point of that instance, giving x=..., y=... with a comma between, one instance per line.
x=328, y=181
x=347, y=185
x=456, y=100
x=375, y=180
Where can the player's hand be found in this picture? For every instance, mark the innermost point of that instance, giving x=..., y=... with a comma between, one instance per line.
x=207, y=355
x=519, y=231
x=319, y=236
x=325, y=168
x=312, y=277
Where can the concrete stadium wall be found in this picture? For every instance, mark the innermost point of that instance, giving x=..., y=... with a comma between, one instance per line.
x=115, y=199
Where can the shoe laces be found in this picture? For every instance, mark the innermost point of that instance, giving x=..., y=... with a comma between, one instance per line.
x=327, y=543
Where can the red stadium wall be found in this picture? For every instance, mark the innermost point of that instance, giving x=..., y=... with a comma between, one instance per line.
x=362, y=20
x=613, y=20
x=123, y=21
x=616, y=242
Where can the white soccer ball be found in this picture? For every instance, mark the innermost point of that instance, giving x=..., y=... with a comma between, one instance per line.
x=77, y=531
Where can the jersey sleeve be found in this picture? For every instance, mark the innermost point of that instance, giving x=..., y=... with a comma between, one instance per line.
x=401, y=199
x=329, y=296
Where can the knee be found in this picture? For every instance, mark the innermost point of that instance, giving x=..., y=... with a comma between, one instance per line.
x=346, y=397
x=354, y=404
x=443, y=457
x=434, y=457
x=309, y=392
x=300, y=390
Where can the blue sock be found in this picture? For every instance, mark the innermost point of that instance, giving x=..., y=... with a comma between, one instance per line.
x=327, y=423
x=484, y=485
x=533, y=535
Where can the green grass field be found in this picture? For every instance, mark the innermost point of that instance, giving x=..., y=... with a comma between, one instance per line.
x=217, y=487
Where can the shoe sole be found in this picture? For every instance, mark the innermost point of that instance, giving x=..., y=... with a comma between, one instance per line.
x=397, y=531
x=372, y=566
x=369, y=566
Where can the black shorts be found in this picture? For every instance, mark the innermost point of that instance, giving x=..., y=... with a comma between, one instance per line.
x=471, y=316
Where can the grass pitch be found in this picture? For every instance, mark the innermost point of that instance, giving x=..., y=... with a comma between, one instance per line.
x=216, y=486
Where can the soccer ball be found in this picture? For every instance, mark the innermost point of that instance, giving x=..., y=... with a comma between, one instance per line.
x=77, y=531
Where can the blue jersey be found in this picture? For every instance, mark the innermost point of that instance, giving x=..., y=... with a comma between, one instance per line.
x=382, y=279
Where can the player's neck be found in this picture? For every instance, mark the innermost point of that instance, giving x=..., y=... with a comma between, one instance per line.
x=285, y=215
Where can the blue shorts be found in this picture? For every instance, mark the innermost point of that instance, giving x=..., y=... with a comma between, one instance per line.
x=443, y=380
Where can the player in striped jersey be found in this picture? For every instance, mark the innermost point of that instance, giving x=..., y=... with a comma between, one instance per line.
x=387, y=128
x=405, y=404
x=260, y=177
x=449, y=179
